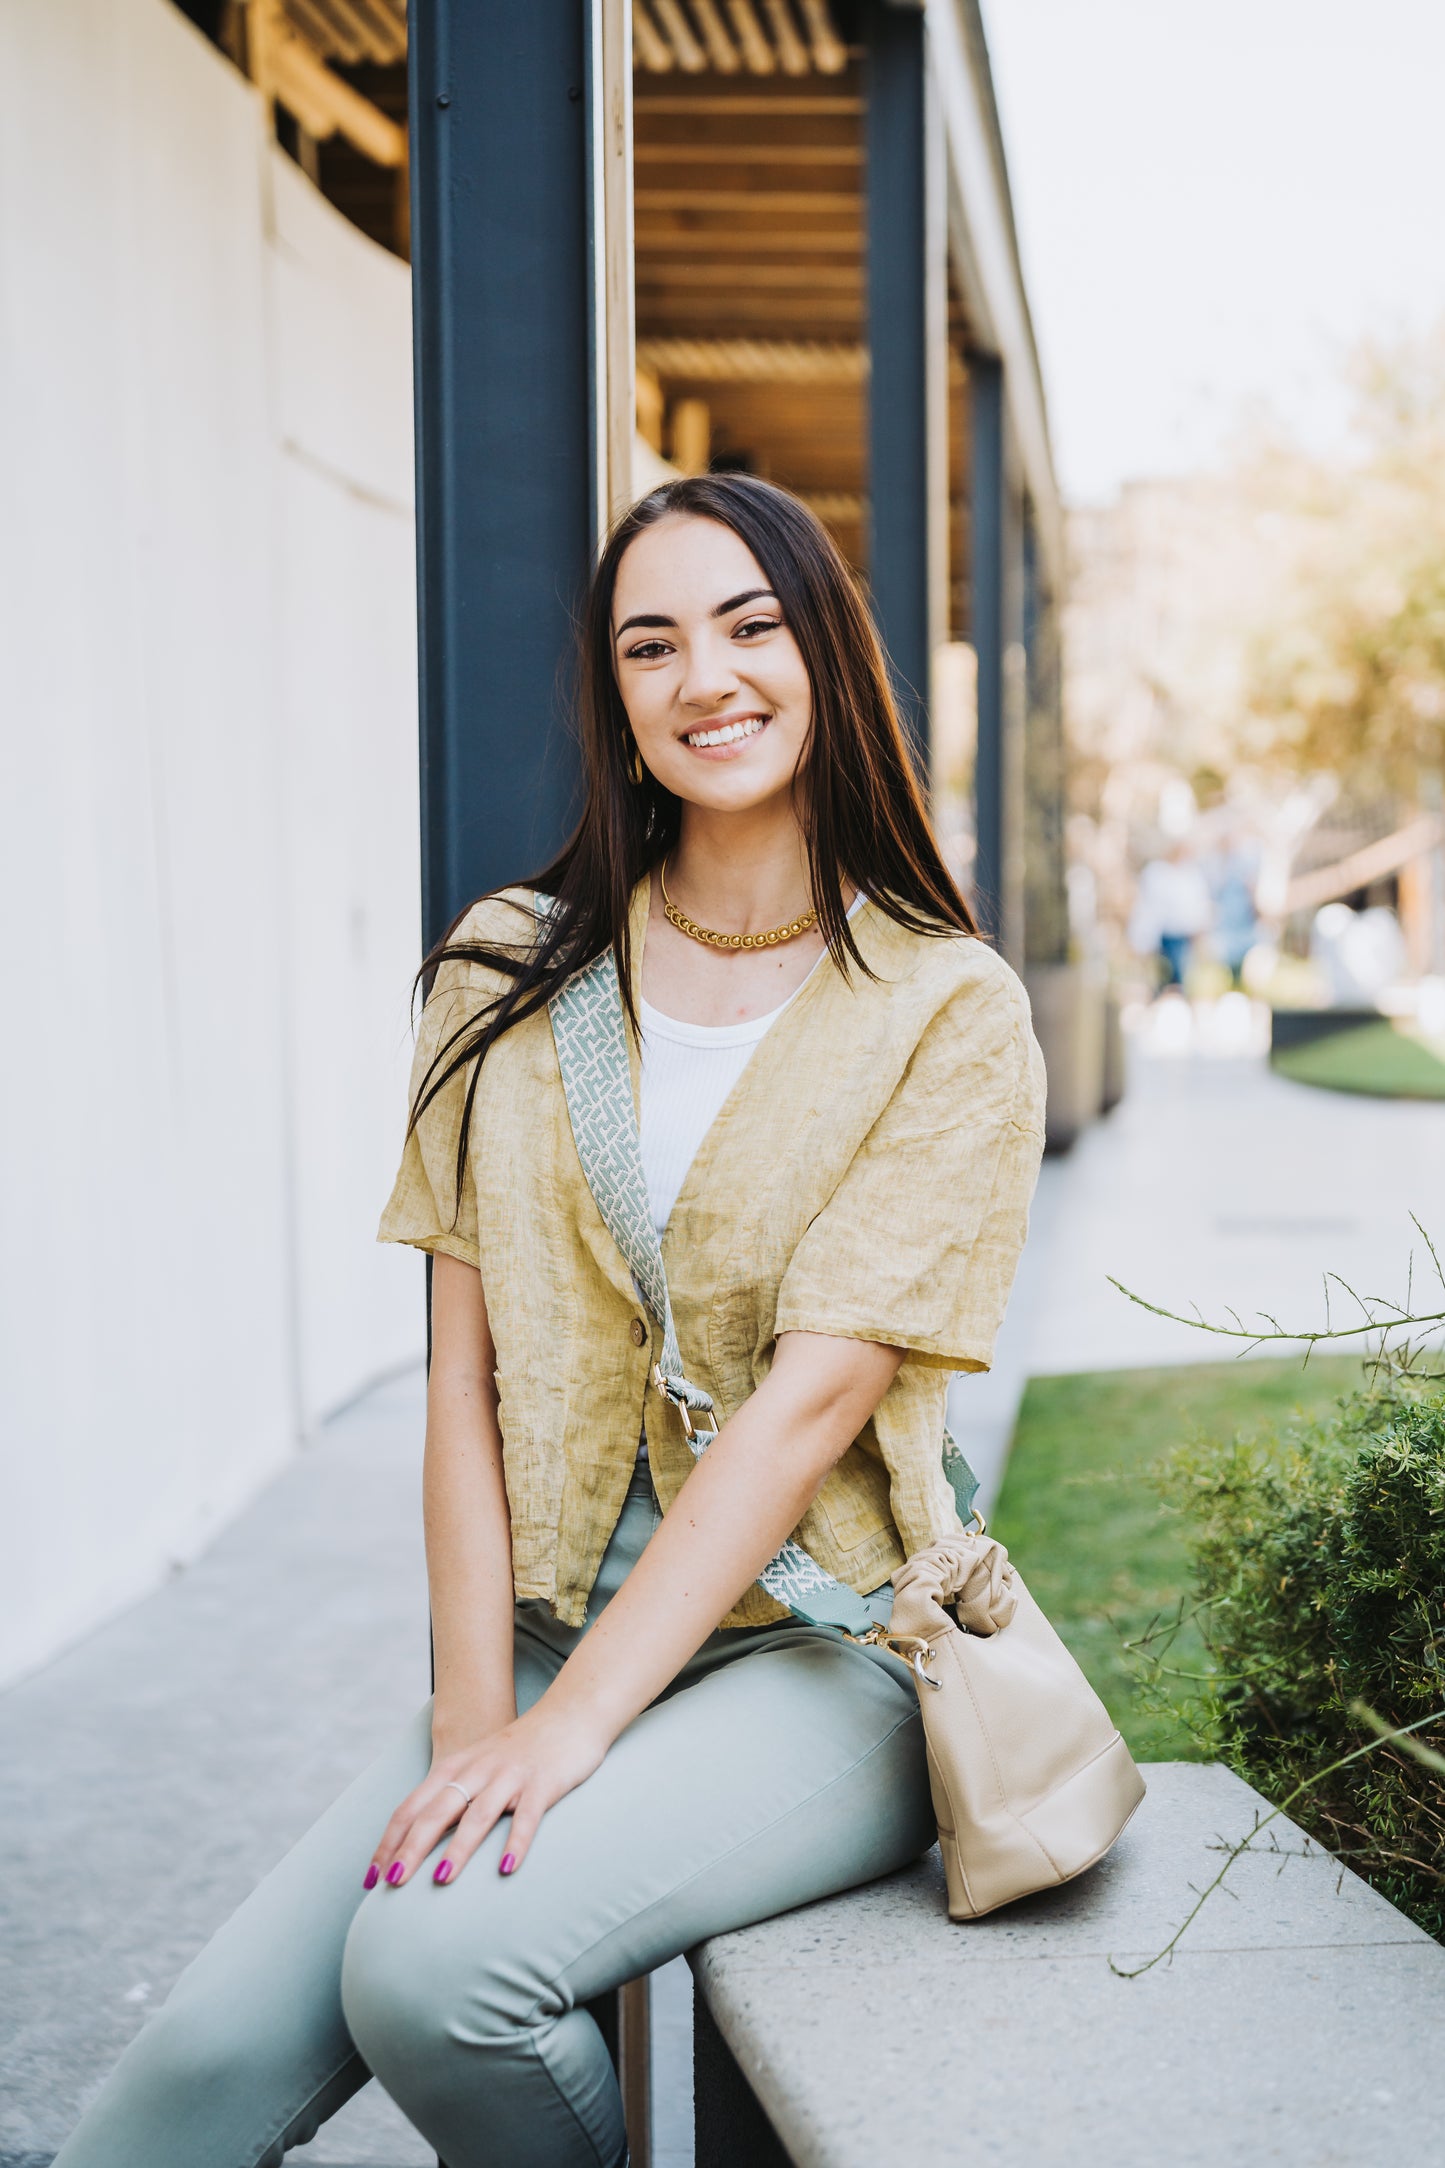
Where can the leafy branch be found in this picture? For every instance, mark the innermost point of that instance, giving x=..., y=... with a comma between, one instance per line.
x=1379, y=1314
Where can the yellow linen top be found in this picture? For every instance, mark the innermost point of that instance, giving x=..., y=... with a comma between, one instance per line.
x=869, y=1177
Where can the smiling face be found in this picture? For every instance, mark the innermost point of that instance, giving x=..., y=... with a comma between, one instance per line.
x=713, y=681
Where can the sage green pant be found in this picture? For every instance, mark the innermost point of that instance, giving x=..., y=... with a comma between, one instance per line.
x=783, y=1764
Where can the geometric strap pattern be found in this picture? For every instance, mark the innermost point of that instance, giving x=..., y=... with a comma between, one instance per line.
x=591, y=1040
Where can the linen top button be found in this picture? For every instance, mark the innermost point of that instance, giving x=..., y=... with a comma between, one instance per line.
x=638, y=1331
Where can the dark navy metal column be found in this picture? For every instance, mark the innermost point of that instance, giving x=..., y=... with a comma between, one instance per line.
x=904, y=314
x=501, y=286
x=985, y=376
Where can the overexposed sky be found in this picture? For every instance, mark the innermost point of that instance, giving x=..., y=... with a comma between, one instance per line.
x=1217, y=199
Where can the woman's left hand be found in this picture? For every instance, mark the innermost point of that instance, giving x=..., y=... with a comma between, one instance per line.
x=521, y=1770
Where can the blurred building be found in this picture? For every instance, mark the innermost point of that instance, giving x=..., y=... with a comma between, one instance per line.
x=1177, y=591
x=772, y=235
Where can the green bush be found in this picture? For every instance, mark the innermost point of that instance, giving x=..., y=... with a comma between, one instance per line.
x=1318, y=1562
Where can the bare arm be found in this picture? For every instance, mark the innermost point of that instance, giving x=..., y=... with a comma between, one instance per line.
x=748, y=1492
x=468, y=1549
x=468, y=1526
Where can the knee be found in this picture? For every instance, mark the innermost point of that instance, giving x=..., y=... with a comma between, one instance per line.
x=417, y=1978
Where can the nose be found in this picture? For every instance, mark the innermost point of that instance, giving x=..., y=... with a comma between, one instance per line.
x=710, y=676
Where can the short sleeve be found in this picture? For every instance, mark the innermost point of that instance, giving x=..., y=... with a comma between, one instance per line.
x=426, y=1208
x=918, y=1244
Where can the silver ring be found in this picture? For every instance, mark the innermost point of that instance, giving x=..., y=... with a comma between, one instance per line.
x=451, y=1785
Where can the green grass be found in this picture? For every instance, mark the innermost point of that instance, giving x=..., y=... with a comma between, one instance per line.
x=1376, y=1060
x=1100, y=1552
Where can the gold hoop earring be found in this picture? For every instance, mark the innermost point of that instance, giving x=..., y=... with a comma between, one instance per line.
x=636, y=770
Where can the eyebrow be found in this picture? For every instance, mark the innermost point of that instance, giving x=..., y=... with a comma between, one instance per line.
x=734, y=602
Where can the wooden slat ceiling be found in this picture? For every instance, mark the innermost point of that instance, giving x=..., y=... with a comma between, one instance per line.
x=737, y=37
x=748, y=197
x=355, y=32
x=691, y=37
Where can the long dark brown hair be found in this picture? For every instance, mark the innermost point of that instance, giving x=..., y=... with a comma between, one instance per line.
x=859, y=802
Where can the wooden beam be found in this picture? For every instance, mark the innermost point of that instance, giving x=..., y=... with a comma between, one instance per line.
x=838, y=507
x=770, y=315
x=756, y=133
x=790, y=278
x=792, y=52
x=634, y=2057
x=330, y=38
x=749, y=154
x=752, y=40
x=283, y=65
x=749, y=105
x=787, y=202
x=680, y=35
x=650, y=46
x=352, y=30
x=1375, y=862
x=830, y=54
x=729, y=240
x=721, y=51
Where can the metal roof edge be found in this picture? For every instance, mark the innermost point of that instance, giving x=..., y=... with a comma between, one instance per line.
x=984, y=241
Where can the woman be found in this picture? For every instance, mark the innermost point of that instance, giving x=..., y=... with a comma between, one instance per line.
x=631, y=1747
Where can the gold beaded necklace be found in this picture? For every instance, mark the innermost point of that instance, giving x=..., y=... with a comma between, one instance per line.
x=772, y=939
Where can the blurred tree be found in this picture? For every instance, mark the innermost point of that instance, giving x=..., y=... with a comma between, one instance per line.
x=1347, y=671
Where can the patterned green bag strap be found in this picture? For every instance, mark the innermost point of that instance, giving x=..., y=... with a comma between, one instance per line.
x=591, y=1039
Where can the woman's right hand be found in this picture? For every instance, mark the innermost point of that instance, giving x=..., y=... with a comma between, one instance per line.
x=521, y=1770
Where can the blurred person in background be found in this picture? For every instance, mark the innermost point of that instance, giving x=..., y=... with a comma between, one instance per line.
x=1172, y=907
x=1231, y=871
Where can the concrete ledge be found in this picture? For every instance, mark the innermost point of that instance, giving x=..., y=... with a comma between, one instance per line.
x=1299, y=2023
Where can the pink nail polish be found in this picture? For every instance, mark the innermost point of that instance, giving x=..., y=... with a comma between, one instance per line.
x=372, y=1876
x=395, y=1872
x=444, y=1871
x=508, y=1863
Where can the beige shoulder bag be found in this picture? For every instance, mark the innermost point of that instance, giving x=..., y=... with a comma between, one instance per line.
x=1031, y=1780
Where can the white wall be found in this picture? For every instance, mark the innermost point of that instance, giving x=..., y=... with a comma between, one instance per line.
x=208, y=820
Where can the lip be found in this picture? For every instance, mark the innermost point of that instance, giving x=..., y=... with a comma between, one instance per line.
x=737, y=746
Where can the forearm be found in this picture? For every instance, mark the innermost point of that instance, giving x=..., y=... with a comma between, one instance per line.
x=468, y=1524
x=743, y=1498
x=469, y=1573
